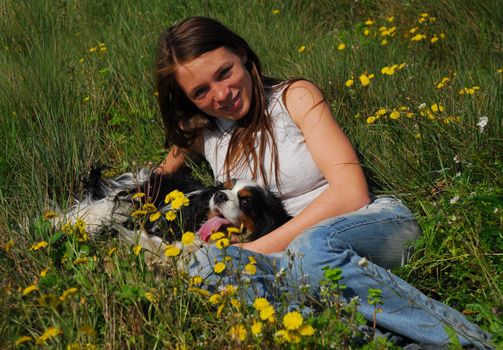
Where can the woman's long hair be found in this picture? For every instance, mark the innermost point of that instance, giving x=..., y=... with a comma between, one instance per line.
x=183, y=121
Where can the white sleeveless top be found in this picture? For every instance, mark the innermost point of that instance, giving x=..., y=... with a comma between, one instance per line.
x=300, y=179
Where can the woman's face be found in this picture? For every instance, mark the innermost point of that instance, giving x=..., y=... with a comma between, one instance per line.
x=218, y=83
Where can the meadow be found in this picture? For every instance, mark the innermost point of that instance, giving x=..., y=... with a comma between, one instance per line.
x=417, y=86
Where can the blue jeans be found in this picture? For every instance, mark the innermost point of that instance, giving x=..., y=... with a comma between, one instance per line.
x=363, y=244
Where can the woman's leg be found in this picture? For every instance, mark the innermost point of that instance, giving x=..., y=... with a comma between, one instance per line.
x=380, y=232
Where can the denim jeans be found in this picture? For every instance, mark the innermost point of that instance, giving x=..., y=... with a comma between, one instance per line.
x=363, y=244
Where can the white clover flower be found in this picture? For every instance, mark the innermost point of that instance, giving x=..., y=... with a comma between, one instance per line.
x=455, y=199
x=421, y=106
x=482, y=123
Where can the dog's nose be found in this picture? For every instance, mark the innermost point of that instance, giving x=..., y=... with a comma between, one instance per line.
x=220, y=197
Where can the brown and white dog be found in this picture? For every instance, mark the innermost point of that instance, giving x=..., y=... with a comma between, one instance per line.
x=108, y=203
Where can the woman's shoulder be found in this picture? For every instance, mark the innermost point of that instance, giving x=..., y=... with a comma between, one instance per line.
x=300, y=97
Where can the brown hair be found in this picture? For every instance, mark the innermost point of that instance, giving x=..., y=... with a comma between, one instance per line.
x=183, y=121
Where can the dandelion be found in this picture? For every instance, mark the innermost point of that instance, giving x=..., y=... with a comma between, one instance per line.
x=9, y=245
x=267, y=313
x=389, y=70
x=149, y=207
x=172, y=251
x=29, y=289
x=390, y=19
x=217, y=235
x=292, y=320
x=418, y=37
x=238, y=332
x=394, y=115
x=188, y=238
x=301, y=49
x=256, y=328
x=437, y=108
x=111, y=251
x=341, y=47
x=23, y=339
x=136, y=249
x=67, y=293
x=349, y=82
x=150, y=297
x=371, y=119
x=219, y=267
x=138, y=195
x=179, y=202
x=499, y=70
x=155, y=216
x=413, y=30
x=170, y=215
x=39, y=245
x=50, y=215
x=434, y=39
x=173, y=195
x=48, y=334
x=443, y=82
x=366, y=32
x=215, y=299
x=384, y=42
x=369, y=22
x=85, y=99
x=43, y=273
x=196, y=280
x=365, y=79
x=381, y=111
x=260, y=303
x=306, y=330
x=222, y=243
x=250, y=269
x=276, y=12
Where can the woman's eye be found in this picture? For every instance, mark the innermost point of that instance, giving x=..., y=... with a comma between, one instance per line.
x=224, y=73
x=200, y=92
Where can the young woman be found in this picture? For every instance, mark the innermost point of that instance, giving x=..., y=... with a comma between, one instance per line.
x=215, y=102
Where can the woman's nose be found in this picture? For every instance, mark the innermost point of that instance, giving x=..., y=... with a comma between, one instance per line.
x=222, y=93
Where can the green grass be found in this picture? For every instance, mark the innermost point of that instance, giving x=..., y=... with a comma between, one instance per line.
x=65, y=105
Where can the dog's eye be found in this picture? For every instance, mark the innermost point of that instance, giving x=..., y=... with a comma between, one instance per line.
x=244, y=203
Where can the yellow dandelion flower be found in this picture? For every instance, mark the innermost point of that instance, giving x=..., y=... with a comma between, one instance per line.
x=437, y=107
x=215, y=299
x=79, y=261
x=292, y=320
x=282, y=335
x=85, y=99
x=149, y=207
x=301, y=49
x=9, y=245
x=499, y=70
x=48, y=334
x=217, y=235
x=138, y=195
x=276, y=11
x=188, y=238
x=43, y=273
x=150, y=297
x=381, y=112
x=390, y=19
x=260, y=303
x=67, y=293
x=424, y=15
x=267, y=312
x=384, y=42
x=92, y=49
x=421, y=20
x=369, y=22
x=222, y=243
x=111, y=251
x=179, y=202
x=229, y=289
x=219, y=267
x=238, y=332
x=170, y=215
x=366, y=32
x=196, y=280
x=23, y=339
x=388, y=70
x=29, y=289
x=172, y=195
x=349, y=82
x=155, y=216
x=236, y=304
x=200, y=291
x=172, y=251
x=81, y=60
x=434, y=39
x=371, y=119
x=306, y=330
x=136, y=249
x=413, y=30
x=156, y=93
x=39, y=245
x=139, y=212
x=341, y=47
x=365, y=79
x=250, y=269
x=442, y=36
x=256, y=328
x=394, y=114
x=418, y=37
x=418, y=135
x=232, y=229
x=50, y=215
x=252, y=260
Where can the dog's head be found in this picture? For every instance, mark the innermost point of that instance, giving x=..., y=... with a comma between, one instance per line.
x=245, y=205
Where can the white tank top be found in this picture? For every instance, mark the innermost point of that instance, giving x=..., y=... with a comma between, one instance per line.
x=300, y=179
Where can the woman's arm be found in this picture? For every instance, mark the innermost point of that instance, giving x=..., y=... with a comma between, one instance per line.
x=335, y=157
x=177, y=157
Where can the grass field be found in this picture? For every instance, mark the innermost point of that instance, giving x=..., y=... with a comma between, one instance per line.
x=417, y=86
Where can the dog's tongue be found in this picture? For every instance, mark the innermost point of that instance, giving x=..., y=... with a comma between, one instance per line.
x=211, y=226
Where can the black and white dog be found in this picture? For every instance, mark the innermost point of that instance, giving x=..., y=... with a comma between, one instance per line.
x=109, y=203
